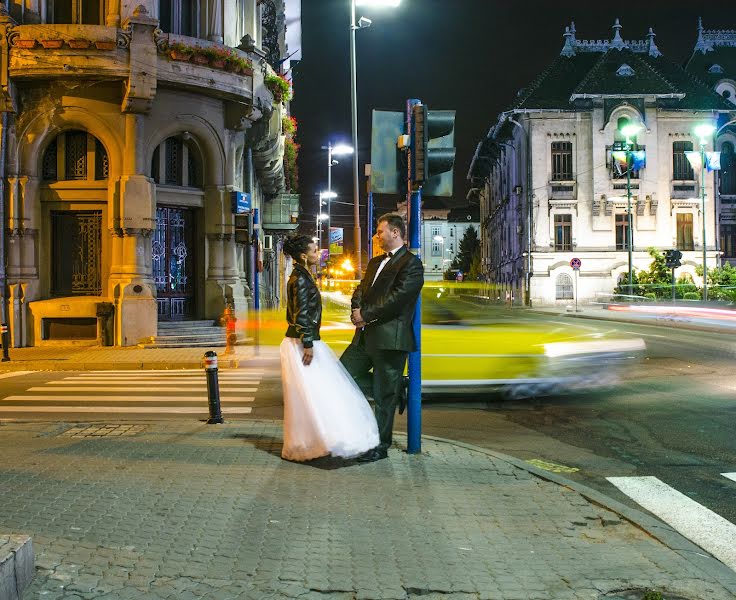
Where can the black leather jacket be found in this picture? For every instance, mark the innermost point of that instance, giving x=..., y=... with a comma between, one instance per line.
x=304, y=306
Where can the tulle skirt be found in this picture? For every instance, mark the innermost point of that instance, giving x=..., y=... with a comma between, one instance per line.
x=325, y=412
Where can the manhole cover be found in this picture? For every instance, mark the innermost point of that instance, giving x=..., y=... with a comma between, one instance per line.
x=94, y=431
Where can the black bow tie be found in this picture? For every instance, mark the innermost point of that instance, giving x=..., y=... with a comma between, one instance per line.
x=387, y=255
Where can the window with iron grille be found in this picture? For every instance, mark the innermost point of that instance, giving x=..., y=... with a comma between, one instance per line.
x=172, y=170
x=76, y=155
x=681, y=169
x=622, y=231
x=71, y=149
x=102, y=165
x=728, y=240
x=728, y=170
x=561, y=161
x=563, y=233
x=563, y=287
x=48, y=167
x=685, y=231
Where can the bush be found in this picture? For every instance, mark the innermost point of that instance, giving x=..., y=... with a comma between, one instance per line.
x=650, y=296
x=692, y=296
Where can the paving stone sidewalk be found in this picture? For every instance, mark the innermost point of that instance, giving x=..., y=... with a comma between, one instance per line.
x=187, y=510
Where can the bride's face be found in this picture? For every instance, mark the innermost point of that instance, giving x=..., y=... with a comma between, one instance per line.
x=312, y=254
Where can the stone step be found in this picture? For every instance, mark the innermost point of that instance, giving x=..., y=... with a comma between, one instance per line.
x=191, y=331
x=17, y=565
x=198, y=343
x=177, y=324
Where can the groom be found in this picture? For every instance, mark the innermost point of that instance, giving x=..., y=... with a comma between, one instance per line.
x=382, y=309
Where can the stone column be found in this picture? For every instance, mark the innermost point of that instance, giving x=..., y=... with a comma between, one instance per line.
x=214, y=21
x=112, y=19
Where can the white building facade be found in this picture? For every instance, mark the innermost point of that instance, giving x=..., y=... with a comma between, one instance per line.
x=550, y=186
x=442, y=231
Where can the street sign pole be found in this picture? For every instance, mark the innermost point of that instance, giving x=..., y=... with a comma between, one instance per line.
x=414, y=214
x=576, y=263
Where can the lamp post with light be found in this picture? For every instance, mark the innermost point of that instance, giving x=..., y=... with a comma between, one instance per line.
x=362, y=24
x=628, y=131
x=339, y=150
x=703, y=131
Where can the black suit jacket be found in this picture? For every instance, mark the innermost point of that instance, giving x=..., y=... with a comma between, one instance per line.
x=388, y=304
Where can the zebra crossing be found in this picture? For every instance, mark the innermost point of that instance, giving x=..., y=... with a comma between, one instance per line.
x=125, y=392
x=696, y=522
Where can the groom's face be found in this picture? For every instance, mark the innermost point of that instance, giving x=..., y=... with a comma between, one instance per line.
x=387, y=237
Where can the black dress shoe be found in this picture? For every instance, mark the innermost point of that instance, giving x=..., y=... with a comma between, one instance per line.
x=403, y=394
x=372, y=455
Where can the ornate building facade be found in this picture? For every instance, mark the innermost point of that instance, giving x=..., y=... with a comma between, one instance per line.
x=714, y=61
x=127, y=127
x=550, y=186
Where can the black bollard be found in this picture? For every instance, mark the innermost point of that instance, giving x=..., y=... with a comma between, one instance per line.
x=213, y=387
x=5, y=342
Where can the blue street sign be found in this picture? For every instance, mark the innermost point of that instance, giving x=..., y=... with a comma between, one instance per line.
x=241, y=202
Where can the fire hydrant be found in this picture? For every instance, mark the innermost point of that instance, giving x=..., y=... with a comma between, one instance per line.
x=230, y=338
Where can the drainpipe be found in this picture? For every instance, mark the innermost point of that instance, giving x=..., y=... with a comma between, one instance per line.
x=3, y=242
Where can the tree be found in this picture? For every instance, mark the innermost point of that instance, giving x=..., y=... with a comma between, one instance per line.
x=469, y=246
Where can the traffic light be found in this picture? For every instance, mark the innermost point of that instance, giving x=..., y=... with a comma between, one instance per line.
x=432, y=150
x=672, y=258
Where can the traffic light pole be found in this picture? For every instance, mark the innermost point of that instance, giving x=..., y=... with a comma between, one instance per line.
x=673, y=285
x=414, y=213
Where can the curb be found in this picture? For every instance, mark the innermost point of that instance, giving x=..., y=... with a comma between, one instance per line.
x=41, y=365
x=674, y=324
x=651, y=525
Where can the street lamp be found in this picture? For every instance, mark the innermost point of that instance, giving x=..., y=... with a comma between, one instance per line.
x=703, y=131
x=628, y=131
x=320, y=217
x=362, y=23
x=339, y=150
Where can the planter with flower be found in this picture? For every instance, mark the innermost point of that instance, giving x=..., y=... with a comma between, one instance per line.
x=51, y=44
x=288, y=125
x=25, y=44
x=217, y=56
x=279, y=86
x=79, y=44
x=179, y=51
x=291, y=172
x=236, y=64
x=199, y=56
x=105, y=45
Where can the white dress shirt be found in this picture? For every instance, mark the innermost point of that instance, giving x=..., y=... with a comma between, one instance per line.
x=384, y=262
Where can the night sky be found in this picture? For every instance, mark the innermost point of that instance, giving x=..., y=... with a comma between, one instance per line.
x=472, y=56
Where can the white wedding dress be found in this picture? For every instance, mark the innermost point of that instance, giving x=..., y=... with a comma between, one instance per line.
x=325, y=412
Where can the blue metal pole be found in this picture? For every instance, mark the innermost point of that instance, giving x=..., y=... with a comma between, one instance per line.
x=256, y=247
x=370, y=223
x=414, y=213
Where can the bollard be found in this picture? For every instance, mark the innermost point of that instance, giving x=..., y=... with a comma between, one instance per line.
x=5, y=342
x=213, y=387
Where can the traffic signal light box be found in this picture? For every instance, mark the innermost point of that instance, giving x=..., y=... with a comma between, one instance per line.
x=672, y=258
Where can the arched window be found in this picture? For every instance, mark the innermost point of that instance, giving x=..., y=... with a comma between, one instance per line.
x=177, y=162
x=728, y=169
x=563, y=287
x=75, y=155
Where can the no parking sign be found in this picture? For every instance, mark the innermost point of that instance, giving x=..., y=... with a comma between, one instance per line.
x=575, y=263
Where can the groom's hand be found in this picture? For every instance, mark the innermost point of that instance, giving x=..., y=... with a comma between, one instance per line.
x=357, y=318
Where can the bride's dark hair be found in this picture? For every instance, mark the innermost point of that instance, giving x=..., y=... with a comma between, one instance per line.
x=297, y=245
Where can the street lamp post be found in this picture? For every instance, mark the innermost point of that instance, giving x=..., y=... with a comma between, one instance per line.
x=362, y=23
x=628, y=131
x=703, y=131
x=339, y=150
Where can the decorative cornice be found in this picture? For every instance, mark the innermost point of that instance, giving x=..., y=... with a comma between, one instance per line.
x=710, y=39
x=572, y=45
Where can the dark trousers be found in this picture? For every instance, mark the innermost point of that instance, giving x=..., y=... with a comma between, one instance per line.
x=388, y=369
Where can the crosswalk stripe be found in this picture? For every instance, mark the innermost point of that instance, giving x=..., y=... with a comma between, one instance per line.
x=67, y=380
x=731, y=476
x=14, y=374
x=709, y=530
x=234, y=410
x=128, y=388
x=57, y=398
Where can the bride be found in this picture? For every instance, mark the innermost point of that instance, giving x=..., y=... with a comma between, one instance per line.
x=325, y=413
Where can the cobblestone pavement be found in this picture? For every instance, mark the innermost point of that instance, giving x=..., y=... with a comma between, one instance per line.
x=185, y=510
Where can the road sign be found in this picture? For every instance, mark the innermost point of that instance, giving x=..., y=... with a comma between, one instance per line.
x=575, y=263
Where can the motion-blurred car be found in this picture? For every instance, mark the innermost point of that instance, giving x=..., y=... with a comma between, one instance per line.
x=470, y=345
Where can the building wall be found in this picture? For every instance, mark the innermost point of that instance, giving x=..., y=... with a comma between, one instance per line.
x=593, y=204
x=219, y=113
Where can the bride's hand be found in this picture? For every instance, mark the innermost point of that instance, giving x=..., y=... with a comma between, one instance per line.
x=308, y=356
